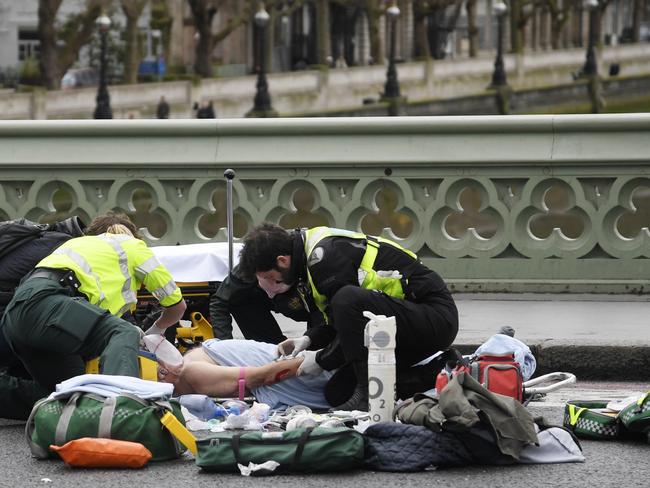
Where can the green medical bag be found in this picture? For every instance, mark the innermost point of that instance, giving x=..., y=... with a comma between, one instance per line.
x=636, y=417
x=122, y=417
x=301, y=450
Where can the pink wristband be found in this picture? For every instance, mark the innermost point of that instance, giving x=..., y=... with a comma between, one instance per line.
x=241, y=382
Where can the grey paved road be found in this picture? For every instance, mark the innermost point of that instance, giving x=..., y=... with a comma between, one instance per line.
x=608, y=464
x=608, y=320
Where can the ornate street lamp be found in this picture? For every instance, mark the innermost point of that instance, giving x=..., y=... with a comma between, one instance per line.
x=591, y=67
x=500, y=10
x=103, y=107
x=391, y=88
x=262, y=103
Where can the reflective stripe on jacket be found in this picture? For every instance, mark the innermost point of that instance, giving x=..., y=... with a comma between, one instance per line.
x=388, y=282
x=111, y=268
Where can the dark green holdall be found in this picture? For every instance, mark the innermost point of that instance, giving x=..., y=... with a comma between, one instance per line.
x=123, y=417
x=301, y=450
x=636, y=416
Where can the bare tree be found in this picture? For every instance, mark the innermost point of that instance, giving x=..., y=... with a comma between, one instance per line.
x=132, y=11
x=472, y=28
x=560, y=13
x=55, y=58
x=433, y=23
x=203, y=12
x=520, y=13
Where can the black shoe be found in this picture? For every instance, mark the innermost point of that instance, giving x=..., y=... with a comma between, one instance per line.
x=359, y=398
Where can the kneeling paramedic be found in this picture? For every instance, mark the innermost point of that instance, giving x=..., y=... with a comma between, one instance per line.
x=68, y=309
x=348, y=273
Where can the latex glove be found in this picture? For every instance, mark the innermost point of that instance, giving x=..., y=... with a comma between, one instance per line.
x=154, y=329
x=309, y=365
x=291, y=347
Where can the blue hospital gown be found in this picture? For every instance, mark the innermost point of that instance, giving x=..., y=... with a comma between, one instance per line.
x=303, y=390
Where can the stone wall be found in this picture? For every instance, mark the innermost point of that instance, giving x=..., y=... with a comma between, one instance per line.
x=315, y=92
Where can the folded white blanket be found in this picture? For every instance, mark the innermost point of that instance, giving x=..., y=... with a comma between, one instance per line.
x=113, y=385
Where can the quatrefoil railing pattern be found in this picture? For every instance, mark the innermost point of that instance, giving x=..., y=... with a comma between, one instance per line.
x=452, y=217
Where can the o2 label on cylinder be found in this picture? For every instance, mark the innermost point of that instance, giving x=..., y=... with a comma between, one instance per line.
x=373, y=394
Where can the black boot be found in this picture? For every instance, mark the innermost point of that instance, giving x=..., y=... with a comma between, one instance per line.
x=359, y=398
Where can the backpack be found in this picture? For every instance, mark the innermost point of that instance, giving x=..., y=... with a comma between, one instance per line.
x=497, y=373
x=24, y=243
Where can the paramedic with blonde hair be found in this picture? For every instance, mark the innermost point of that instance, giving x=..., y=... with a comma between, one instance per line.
x=68, y=310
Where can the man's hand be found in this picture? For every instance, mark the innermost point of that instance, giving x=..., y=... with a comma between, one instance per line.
x=309, y=365
x=291, y=347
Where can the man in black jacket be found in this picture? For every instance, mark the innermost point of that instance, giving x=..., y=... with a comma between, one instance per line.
x=24, y=243
x=349, y=273
x=251, y=308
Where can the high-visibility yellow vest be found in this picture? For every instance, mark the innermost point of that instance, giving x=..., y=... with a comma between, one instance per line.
x=111, y=268
x=385, y=281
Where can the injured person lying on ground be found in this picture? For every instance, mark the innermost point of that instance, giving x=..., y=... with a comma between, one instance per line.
x=216, y=367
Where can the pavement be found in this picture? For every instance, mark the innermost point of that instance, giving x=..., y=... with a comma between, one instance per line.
x=595, y=337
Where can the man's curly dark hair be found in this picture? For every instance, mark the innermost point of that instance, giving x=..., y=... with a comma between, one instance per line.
x=261, y=248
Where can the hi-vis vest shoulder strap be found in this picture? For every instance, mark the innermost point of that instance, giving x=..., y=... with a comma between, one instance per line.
x=388, y=281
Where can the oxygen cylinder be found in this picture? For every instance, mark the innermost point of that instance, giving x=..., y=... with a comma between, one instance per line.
x=380, y=341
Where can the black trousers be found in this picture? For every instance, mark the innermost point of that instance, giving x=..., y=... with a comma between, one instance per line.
x=422, y=328
x=53, y=334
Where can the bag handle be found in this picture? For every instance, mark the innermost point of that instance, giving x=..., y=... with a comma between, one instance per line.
x=236, y=449
x=106, y=418
x=37, y=451
x=61, y=432
x=561, y=379
x=302, y=441
x=179, y=431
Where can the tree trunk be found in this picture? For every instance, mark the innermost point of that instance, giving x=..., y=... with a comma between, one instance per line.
x=556, y=32
x=637, y=14
x=323, y=44
x=49, y=63
x=203, y=14
x=422, y=50
x=374, y=13
x=472, y=28
x=516, y=34
x=132, y=11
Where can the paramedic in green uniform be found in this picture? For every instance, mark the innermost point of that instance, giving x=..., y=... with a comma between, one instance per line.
x=68, y=309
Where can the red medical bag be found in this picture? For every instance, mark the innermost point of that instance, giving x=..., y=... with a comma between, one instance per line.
x=498, y=373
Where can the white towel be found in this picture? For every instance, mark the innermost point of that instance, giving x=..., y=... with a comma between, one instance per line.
x=113, y=385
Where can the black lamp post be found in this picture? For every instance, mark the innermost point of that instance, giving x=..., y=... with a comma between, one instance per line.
x=391, y=89
x=591, y=67
x=103, y=107
x=262, y=103
x=499, y=75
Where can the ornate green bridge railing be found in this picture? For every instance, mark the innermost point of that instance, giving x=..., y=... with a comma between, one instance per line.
x=531, y=203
